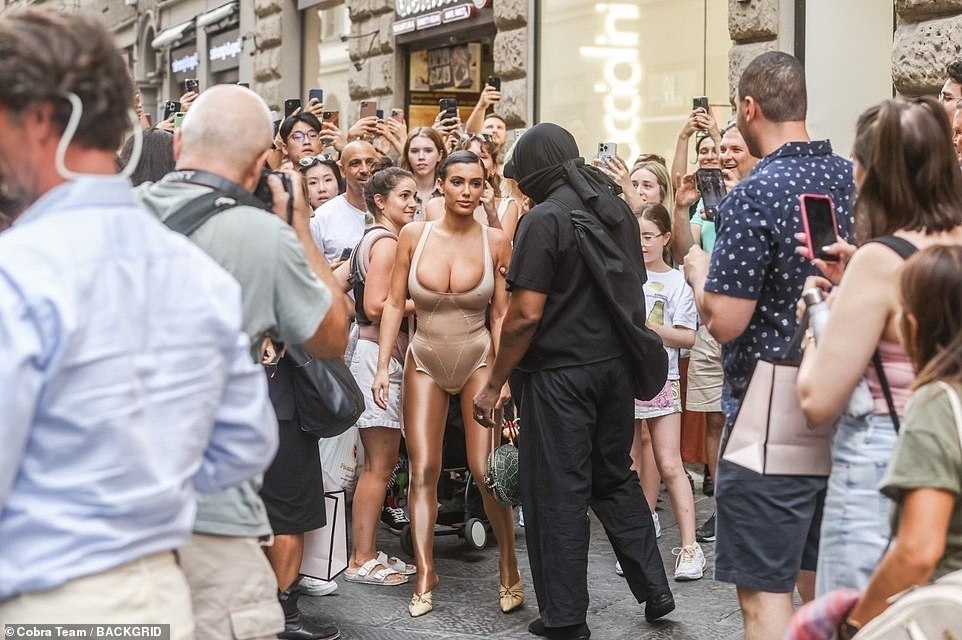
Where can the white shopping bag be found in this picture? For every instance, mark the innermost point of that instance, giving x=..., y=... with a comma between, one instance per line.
x=325, y=549
x=341, y=460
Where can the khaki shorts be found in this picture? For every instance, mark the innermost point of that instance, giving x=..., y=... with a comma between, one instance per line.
x=233, y=588
x=704, y=374
x=150, y=590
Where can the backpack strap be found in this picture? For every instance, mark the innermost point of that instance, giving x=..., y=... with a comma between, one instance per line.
x=361, y=256
x=195, y=213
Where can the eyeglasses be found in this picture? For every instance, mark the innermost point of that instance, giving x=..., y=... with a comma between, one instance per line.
x=301, y=136
x=650, y=237
x=309, y=161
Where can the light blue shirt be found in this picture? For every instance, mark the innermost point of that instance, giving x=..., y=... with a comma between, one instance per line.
x=125, y=384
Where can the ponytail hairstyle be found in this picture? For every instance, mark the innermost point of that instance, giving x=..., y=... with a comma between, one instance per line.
x=912, y=180
x=658, y=215
x=930, y=290
x=460, y=157
x=381, y=184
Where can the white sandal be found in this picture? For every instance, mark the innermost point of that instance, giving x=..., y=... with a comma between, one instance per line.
x=396, y=564
x=369, y=574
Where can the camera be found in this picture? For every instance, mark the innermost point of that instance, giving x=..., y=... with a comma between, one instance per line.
x=263, y=192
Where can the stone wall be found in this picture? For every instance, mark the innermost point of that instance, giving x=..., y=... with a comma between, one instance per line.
x=753, y=27
x=928, y=37
x=268, y=70
x=511, y=60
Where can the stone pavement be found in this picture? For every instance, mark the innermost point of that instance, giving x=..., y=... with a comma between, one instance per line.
x=466, y=601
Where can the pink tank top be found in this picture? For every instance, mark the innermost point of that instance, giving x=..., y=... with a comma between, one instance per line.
x=900, y=374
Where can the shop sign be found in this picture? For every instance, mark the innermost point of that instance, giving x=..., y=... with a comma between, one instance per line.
x=617, y=52
x=224, y=50
x=428, y=20
x=184, y=62
x=423, y=21
x=408, y=8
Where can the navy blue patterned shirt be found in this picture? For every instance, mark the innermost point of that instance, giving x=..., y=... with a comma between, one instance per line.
x=754, y=256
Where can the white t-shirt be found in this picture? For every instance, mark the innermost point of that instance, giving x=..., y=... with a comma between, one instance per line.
x=337, y=225
x=670, y=302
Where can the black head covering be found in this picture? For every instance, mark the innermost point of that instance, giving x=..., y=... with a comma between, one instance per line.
x=546, y=157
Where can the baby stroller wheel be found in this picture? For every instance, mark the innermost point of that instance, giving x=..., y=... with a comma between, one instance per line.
x=407, y=545
x=475, y=534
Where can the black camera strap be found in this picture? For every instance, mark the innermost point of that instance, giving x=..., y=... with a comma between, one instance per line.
x=217, y=183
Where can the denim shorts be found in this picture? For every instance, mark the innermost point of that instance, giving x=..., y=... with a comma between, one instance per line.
x=767, y=527
x=855, y=526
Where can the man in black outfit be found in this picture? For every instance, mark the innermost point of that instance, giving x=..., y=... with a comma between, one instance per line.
x=574, y=385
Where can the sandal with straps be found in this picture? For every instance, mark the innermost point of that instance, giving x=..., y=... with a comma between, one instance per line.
x=369, y=574
x=396, y=564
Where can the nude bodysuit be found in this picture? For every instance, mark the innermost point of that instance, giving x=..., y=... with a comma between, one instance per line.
x=451, y=341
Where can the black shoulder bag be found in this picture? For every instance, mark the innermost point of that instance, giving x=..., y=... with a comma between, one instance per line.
x=326, y=396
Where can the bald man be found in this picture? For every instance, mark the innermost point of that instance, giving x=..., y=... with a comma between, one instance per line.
x=338, y=224
x=286, y=289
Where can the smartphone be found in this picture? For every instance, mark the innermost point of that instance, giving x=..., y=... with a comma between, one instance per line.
x=818, y=220
x=449, y=107
x=380, y=114
x=494, y=81
x=398, y=115
x=290, y=106
x=368, y=109
x=345, y=254
x=711, y=184
x=191, y=84
x=178, y=119
x=701, y=102
x=331, y=116
x=607, y=149
x=170, y=108
x=316, y=94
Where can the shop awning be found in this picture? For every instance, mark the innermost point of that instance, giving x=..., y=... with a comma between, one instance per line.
x=216, y=15
x=169, y=36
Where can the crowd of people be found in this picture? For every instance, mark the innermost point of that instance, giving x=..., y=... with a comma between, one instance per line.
x=155, y=467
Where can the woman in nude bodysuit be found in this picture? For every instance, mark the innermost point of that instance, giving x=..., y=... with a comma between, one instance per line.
x=452, y=269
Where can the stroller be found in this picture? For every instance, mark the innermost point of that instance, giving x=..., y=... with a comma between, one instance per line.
x=460, y=510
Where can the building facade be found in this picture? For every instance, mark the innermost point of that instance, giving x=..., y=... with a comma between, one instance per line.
x=614, y=71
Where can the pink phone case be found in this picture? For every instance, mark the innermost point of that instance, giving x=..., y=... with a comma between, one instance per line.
x=804, y=210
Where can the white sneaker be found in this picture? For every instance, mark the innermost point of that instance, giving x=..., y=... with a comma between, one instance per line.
x=618, y=569
x=690, y=564
x=314, y=587
x=654, y=518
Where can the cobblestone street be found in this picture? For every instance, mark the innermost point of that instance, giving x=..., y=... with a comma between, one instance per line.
x=466, y=605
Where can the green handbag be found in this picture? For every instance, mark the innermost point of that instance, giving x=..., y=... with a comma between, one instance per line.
x=502, y=472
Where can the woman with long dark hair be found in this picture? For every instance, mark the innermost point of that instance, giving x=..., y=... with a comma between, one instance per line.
x=452, y=269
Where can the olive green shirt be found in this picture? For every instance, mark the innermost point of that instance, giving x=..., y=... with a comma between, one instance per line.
x=929, y=455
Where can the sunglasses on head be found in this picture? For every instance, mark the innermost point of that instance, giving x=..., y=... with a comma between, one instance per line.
x=309, y=161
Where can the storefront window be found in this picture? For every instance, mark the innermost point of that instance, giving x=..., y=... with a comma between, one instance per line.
x=626, y=72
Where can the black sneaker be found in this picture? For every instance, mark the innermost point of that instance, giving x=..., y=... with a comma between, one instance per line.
x=706, y=532
x=572, y=632
x=394, y=520
x=658, y=605
x=708, y=484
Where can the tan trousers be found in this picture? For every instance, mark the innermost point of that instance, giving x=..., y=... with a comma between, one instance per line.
x=233, y=588
x=151, y=590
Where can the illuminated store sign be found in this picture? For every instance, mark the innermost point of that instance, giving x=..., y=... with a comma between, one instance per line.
x=617, y=52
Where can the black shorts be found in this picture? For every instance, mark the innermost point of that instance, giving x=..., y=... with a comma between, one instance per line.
x=293, y=490
x=767, y=527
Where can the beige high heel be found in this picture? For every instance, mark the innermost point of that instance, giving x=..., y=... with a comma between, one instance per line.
x=421, y=603
x=511, y=597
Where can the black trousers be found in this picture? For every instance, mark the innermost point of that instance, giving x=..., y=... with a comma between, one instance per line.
x=576, y=430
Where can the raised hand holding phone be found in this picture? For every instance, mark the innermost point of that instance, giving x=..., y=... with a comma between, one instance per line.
x=821, y=227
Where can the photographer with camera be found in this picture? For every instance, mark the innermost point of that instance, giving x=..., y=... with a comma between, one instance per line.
x=287, y=296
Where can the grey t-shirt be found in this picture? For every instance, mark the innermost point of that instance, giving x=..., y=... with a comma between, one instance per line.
x=928, y=455
x=281, y=297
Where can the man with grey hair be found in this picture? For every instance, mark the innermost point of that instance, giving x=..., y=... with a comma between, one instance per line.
x=126, y=382
x=287, y=291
